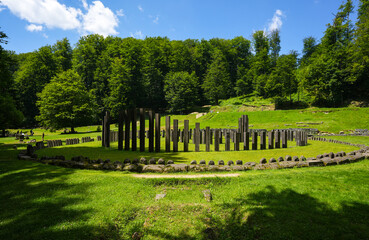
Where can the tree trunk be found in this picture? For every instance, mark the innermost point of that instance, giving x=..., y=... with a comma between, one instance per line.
x=72, y=130
x=3, y=132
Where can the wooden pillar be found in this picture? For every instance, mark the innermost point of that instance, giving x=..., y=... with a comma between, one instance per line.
x=102, y=133
x=197, y=137
x=227, y=136
x=277, y=139
x=134, y=129
x=167, y=135
x=151, y=131
x=127, y=129
x=216, y=140
x=207, y=139
x=284, y=139
x=254, y=140
x=175, y=135
x=263, y=140
x=157, y=132
x=107, y=129
x=142, y=130
x=237, y=141
x=271, y=139
x=186, y=135
x=120, y=130
x=246, y=141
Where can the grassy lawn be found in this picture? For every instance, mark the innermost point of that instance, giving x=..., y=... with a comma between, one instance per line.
x=94, y=150
x=48, y=202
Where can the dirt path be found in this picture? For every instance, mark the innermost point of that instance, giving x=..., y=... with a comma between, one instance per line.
x=185, y=176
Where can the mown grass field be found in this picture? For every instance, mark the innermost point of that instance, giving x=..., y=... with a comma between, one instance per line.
x=48, y=202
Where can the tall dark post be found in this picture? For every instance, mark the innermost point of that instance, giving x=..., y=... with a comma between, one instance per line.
x=246, y=141
x=186, y=135
x=240, y=126
x=254, y=140
x=207, y=139
x=263, y=140
x=167, y=133
x=157, y=132
x=102, y=134
x=237, y=141
x=151, y=130
x=271, y=139
x=284, y=139
x=142, y=130
x=175, y=135
x=134, y=129
x=120, y=131
x=107, y=129
x=227, y=136
x=126, y=129
x=197, y=137
x=216, y=140
x=277, y=139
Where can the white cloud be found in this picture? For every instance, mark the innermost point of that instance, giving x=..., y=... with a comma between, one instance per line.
x=156, y=20
x=46, y=12
x=137, y=34
x=34, y=28
x=45, y=36
x=120, y=13
x=140, y=8
x=85, y=5
x=1, y=8
x=100, y=19
x=95, y=18
x=276, y=22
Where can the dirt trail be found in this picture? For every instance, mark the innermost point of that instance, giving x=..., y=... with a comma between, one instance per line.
x=185, y=176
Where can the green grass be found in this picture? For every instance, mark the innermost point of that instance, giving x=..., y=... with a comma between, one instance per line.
x=95, y=151
x=48, y=202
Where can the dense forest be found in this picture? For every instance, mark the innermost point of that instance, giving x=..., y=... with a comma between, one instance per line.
x=60, y=85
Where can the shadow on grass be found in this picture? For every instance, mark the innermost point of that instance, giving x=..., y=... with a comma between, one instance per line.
x=286, y=214
x=108, y=153
x=38, y=202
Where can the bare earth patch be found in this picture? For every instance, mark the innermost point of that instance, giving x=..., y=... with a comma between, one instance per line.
x=185, y=176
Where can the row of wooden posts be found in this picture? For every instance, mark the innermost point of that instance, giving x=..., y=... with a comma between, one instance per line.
x=127, y=134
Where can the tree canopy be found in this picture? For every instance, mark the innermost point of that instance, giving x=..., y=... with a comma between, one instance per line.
x=65, y=102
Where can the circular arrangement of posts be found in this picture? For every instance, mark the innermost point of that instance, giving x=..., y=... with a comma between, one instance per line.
x=128, y=134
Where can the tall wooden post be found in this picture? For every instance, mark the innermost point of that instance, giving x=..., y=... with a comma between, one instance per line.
x=271, y=139
x=157, y=132
x=134, y=129
x=151, y=131
x=186, y=135
x=120, y=131
x=107, y=129
x=254, y=140
x=175, y=135
x=126, y=129
x=167, y=133
x=197, y=137
x=207, y=139
x=142, y=130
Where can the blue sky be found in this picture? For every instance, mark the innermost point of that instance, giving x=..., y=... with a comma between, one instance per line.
x=31, y=24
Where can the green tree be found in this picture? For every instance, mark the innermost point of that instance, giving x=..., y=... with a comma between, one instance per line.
x=33, y=74
x=360, y=66
x=121, y=87
x=65, y=102
x=181, y=91
x=217, y=83
x=282, y=81
x=275, y=46
x=9, y=115
x=63, y=54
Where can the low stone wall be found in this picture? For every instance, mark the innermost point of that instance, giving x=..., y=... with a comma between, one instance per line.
x=161, y=166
